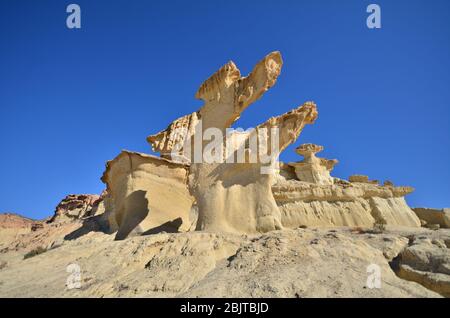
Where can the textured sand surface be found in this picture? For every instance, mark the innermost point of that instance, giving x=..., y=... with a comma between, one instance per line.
x=289, y=263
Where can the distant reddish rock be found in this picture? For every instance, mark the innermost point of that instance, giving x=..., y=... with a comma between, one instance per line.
x=76, y=206
x=14, y=221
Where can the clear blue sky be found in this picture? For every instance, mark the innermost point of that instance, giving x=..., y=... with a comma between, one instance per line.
x=72, y=99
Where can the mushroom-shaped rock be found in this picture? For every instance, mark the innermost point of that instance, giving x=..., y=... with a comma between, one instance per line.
x=308, y=151
x=313, y=169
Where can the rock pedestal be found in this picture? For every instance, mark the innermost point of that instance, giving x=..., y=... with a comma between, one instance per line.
x=313, y=169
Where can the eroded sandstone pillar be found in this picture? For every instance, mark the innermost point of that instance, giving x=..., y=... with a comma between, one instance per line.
x=313, y=169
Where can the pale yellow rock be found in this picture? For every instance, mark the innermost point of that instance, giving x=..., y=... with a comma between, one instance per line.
x=313, y=169
x=427, y=262
x=340, y=204
x=326, y=214
x=226, y=95
x=234, y=197
x=434, y=216
x=149, y=194
x=232, y=205
x=359, y=178
x=437, y=282
x=289, y=263
x=393, y=211
x=106, y=214
x=250, y=195
x=165, y=142
x=237, y=197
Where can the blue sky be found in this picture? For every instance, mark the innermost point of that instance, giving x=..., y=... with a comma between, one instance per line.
x=72, y=99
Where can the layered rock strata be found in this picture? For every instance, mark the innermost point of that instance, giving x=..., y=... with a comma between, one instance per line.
x=342, y=203
x=440, y=217
x=240, y=189
x=76, y=206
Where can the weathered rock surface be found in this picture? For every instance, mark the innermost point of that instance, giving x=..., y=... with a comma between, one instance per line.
x=340, y=204
x=237, y=197
x=313, y=169
x=236, y=226
x=226, y=95
x=149, y=194
x=427, y=262
x=250, y=195
x=76, y=206
x=12, y=226
x=229, y=196
x=14, y=221
x=288, y=263
x=359, y=178
x=434, y=216
x=50, y=234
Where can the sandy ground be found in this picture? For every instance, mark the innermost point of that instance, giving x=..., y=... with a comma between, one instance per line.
x=288, y=263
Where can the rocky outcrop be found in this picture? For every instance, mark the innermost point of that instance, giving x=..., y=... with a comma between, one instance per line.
x=76, y=206
x=14, y=221
x=427, y=262
x=13, y=226
x=237, y=197
x=229, y=196
x=216, y=215
x=226, y=95
x=434, y=216
x=359, y=178
x=341, y=203
x=230, y=181
x=149, y=194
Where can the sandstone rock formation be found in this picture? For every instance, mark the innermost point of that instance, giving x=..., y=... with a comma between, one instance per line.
x=341, y=203
x=233, y=197
x=313, y=169
x=237, y=197
x=76, y=206
x=12, y=226
x=434, y=216
x=427, y=262
x=359, y=178
x=240, y=188
x=148, y=193
x=14, y=221
x=226, y=95
x=227, y=219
